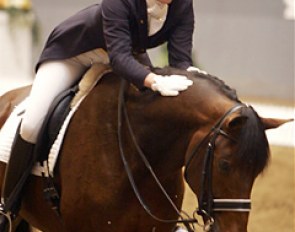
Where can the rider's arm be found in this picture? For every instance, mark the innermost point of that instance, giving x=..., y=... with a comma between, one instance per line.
x=117, y=33
x=181, y=39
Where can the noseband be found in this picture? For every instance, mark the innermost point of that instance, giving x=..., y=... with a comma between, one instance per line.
x=207, y=204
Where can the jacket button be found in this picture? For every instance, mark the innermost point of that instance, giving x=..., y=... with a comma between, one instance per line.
x=141, y=21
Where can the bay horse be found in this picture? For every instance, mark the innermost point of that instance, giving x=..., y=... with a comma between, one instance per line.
x=124, y=160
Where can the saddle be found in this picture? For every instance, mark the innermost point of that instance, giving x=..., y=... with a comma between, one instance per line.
x=58, y=112
x=61, y=107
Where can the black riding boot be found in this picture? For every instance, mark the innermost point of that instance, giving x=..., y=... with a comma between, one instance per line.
x=17, y=171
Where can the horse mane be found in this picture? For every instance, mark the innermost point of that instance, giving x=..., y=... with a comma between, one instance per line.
x=220, y=84
x=253, y=147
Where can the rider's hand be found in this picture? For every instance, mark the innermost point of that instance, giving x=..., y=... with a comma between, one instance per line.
x=170, y=85
x=180, y=229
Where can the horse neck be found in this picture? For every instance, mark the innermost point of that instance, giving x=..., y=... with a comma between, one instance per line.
x=163, y=142
x=165, y=126
x=164, y=150
x=213, y=100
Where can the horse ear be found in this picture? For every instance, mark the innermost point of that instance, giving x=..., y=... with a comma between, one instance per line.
x=271, y=123
x=236, y=122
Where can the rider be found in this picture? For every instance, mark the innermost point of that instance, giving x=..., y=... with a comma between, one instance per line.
x=117, y=33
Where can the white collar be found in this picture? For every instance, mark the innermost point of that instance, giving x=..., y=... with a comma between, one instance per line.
x=157, y=13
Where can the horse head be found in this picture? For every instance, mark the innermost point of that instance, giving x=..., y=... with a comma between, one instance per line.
x=220, y=142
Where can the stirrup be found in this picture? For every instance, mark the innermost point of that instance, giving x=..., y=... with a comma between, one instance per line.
x=5, y=220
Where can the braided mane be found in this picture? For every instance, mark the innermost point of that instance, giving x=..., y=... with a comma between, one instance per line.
x=220, y=84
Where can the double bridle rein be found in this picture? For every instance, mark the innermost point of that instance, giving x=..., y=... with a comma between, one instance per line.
x=207, y=204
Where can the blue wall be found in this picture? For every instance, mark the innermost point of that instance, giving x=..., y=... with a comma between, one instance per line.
x=249, y=44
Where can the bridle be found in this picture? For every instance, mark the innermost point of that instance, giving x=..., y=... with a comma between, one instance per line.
x=207, y=203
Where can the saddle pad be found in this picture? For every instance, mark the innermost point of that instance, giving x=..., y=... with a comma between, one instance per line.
x=8, y=131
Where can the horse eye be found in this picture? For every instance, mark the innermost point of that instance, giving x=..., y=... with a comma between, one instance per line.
x=224, y=165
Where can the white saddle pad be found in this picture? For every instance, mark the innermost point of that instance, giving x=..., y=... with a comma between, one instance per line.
x=8, y=132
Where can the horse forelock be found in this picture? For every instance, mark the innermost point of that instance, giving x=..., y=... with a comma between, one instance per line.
x=220, y=84
x=253, y=147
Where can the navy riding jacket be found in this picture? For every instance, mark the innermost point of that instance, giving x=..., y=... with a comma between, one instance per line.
x=120, y=27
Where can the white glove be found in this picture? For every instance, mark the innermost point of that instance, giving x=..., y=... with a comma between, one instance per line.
x=170, y=85
x=195, y=69
x=180, y=229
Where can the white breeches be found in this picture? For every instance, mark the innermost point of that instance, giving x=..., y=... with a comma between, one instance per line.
x=52, y=78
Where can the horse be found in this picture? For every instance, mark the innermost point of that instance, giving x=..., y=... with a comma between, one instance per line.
x=127, y=154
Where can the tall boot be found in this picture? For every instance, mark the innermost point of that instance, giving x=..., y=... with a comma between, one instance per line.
x=17, y=171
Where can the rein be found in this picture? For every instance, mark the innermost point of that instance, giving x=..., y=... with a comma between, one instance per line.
x=123, y=112
x=207, y=203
